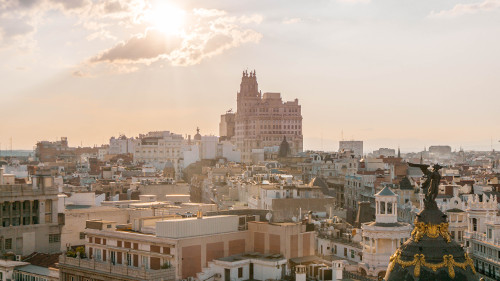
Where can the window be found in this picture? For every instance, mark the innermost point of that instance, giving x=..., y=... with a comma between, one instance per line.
x=352, y=254
x=145, y=261
x=54, y=238
x=382, y=207
x=345, y=252
x=82, y=235
x=129, y=259
x=98, y=255
x=8, y=244
x=240, y=272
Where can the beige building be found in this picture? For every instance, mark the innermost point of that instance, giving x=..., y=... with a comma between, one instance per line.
x=227, y=125
x=29, y=216
x=180, y=248
x=264, y=120
x=73, y=232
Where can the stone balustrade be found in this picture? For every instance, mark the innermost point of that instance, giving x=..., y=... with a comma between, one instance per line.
x=128, y=271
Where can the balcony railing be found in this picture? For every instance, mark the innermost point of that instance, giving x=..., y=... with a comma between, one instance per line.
x=109, y=268
x=481, y=237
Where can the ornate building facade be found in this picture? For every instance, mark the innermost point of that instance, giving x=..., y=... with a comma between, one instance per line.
x=264, y=120
x=383, y=236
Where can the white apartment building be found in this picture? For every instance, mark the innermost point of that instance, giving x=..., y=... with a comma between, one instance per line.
x=354, y=146
x=483, y=236
x=159, y=148
x=121, y=145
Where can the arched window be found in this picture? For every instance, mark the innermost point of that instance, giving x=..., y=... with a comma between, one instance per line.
x=474, y=224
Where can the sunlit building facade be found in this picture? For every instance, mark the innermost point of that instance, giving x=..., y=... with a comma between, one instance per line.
x=264, y=120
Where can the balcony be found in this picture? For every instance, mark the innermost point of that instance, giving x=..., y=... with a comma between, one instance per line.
x=482, y=237
x=376, y=260
x=126, y=271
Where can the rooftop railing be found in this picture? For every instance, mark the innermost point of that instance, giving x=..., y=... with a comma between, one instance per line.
x=127, y=271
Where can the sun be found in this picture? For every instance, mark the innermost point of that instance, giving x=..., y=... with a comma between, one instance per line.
x=166, y=18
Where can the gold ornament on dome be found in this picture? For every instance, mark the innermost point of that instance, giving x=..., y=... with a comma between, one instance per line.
x=419, y=262
x=431, y=230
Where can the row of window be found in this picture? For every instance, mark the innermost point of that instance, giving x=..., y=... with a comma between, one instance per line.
x=21, y=276
x=7, y=245
x=17, y=206
x=287, y=127
x=128, y=259
x=486, y=250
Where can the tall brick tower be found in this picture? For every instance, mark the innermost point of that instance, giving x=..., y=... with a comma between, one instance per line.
x=263, y=120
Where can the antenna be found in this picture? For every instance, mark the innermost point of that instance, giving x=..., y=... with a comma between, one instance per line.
x=342, y=134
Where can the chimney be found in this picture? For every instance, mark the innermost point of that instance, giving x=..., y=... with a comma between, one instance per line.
x=199, y=214
x=300, y=273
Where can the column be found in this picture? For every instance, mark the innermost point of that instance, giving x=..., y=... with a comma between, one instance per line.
x=21, y=212
x=1, y=214
x=41, y=211
x=30, y=220
x=371, y=245
x=376, y=245
x=54, y=212
x=10, y=213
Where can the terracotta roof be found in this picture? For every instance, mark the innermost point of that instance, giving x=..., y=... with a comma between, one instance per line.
x=43, y=260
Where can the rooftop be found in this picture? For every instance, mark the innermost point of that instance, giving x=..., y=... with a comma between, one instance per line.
x=386, y=191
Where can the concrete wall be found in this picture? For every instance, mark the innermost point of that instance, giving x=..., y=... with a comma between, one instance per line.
x=75, y=221
x=293, y=240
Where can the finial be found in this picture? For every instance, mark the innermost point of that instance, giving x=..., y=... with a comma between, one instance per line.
x=197, y=130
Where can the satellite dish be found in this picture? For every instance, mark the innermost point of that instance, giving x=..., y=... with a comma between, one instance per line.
x=269, y=216
x=294, y=219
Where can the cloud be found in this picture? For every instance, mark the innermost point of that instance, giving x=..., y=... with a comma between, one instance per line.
x=292, y=20
x=463, y=9
x=19, y=19
x=80, y=73
x=140, y=49
x=210, y=33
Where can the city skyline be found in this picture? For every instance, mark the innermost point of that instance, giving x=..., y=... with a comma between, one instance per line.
x=78, y=72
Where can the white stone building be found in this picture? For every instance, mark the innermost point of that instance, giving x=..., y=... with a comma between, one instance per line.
x=483, y=236
x=382, y=237
x=121, y=145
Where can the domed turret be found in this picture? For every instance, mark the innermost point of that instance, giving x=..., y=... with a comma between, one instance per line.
x=430, y=254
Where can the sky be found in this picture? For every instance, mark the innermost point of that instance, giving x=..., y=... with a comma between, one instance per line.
x=388, y=72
